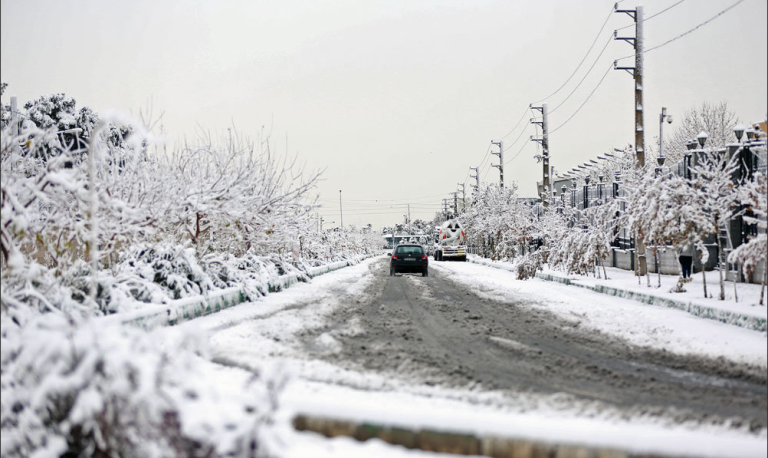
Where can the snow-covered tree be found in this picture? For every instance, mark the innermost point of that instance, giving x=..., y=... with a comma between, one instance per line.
x=717, y=198
x=749, y=255
x=714, y=118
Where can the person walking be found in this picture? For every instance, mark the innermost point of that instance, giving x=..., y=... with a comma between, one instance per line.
x=685, y=256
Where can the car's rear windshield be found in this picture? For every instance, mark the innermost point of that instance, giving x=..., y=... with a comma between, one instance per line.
x=409, y=250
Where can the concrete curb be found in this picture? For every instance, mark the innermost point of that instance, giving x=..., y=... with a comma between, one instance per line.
x=456, y=442
x=701, y=311
x=189, y=308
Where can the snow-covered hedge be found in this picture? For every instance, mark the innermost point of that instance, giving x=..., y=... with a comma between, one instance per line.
x=93, y=390
x=99, y=220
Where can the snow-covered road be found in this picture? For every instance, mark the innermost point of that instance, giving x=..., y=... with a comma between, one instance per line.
x=469, y=339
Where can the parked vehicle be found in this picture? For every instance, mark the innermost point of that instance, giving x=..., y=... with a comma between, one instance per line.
x=450, y=242
x=409, y=258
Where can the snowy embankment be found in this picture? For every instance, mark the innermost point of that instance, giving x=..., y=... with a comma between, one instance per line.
x=664, y=328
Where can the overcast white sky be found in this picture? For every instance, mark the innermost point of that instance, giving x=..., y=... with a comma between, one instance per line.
x=395, y=99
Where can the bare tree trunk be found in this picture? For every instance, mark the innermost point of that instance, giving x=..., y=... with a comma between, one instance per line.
x=703, y=273
x=656, y=259
x=720, y=261
x=765, y=280
x=647, y=271
x=605, y=274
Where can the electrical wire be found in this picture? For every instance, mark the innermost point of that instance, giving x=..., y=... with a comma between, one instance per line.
x=517, y=154
x=516, y=140
x=516, y=124
x=653, y=16
x=645, y=51
x=582, y=59
x=585, y=101
x=406, y=200
x=610, y=39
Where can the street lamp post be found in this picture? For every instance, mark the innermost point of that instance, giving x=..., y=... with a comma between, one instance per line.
x=691, y=145
x=661, y=157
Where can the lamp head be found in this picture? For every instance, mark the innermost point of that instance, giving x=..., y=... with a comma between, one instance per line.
x=702, y=138
x=669, y=119
x=739, y=131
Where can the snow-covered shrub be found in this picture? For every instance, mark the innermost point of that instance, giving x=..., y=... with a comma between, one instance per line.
x=749, y=255
x=528, y=264
x=175, y=269
x=87, y=389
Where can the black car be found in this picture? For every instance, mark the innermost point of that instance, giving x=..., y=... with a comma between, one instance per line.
x=409, y=258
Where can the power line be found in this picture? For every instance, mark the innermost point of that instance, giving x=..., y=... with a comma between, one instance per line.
x=518, y=153
x=516, y=140
x=585, y=101
x=582, y=59
x=516, y=124
x=610, y=39
x=406, y=200
x=687, y=32
x=486, y=155
x=653, y=16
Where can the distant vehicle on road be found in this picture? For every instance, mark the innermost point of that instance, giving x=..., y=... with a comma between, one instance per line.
x=450, y=242
x=409, y=258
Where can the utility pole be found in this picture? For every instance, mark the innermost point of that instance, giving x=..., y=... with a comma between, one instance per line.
x=476, y=176
x=500, y=144
x=637, y=73
x=544, y=140
x=445, y=208
x=409, y=220
x=463, y=197
x=341, y=212
x=455, y=204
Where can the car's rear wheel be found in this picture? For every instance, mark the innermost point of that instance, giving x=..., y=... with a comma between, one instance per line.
x=425, y=273
x=391, y=271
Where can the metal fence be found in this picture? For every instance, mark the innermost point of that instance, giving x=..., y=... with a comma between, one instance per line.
x=752, y=159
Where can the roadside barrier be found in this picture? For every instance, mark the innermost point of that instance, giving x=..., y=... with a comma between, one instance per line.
x=181, y=310
x=456, y=442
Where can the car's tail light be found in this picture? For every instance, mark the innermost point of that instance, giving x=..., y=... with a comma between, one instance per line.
x=424, y=257
x=394, y=257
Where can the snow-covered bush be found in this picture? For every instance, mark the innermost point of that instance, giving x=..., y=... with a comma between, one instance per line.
x=499, y=222
x=749, y=255
x=86, y=389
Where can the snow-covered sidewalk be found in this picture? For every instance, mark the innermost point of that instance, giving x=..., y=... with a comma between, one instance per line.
x=622, y=283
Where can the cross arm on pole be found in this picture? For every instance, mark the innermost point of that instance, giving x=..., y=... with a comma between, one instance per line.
x=630, y=70
x=631, y=13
